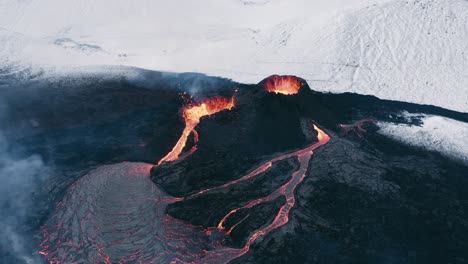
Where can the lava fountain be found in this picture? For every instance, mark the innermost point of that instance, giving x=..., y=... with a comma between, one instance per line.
x=286, y=84
x=192, y=115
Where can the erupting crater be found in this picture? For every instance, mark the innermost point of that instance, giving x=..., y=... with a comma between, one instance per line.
x=286, y=84
x=192, y=115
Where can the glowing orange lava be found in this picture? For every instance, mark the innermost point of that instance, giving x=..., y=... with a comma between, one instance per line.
x=283, y=84
x=192, y=115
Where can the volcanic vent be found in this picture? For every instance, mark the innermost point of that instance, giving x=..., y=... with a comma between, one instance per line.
x=285, y=84
x=192, y=114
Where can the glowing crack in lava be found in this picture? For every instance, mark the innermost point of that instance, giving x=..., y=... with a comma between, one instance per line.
x=287, y=84
x=116, y=214
x=192, y=115
x=357, y=127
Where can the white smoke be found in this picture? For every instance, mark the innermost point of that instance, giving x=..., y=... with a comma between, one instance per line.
x=20, y=180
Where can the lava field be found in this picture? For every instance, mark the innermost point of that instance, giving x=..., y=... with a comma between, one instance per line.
x=186, y=168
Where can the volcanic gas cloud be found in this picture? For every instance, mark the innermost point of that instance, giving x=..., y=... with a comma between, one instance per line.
x=283, y=84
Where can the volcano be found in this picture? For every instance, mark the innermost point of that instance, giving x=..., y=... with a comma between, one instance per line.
x=150, y=170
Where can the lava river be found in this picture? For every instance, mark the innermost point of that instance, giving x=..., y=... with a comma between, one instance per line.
x=116, y=214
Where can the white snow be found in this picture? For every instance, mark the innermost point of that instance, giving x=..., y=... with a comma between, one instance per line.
x=447, y=136
x=413, y=50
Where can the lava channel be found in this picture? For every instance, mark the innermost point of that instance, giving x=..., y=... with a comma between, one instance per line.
x=286, y=190
x=286, y=84
x=192, y=115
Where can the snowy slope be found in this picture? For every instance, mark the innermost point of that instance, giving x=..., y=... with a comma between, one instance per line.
x=403, y=50
x=446, y=136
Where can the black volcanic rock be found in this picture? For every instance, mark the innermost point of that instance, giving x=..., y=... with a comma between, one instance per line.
x=223, y=202
x=403, y=206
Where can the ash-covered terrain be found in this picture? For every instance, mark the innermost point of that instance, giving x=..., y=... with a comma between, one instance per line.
x=148, y=167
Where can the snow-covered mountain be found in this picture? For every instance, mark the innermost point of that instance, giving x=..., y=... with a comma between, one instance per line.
x=413, y=50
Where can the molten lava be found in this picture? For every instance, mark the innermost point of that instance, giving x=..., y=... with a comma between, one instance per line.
x=283, y=84
x=192, y=115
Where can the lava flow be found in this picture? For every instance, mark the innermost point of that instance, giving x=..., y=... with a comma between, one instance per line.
x=287, y=84
x=192, y=115
x=286, y=190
